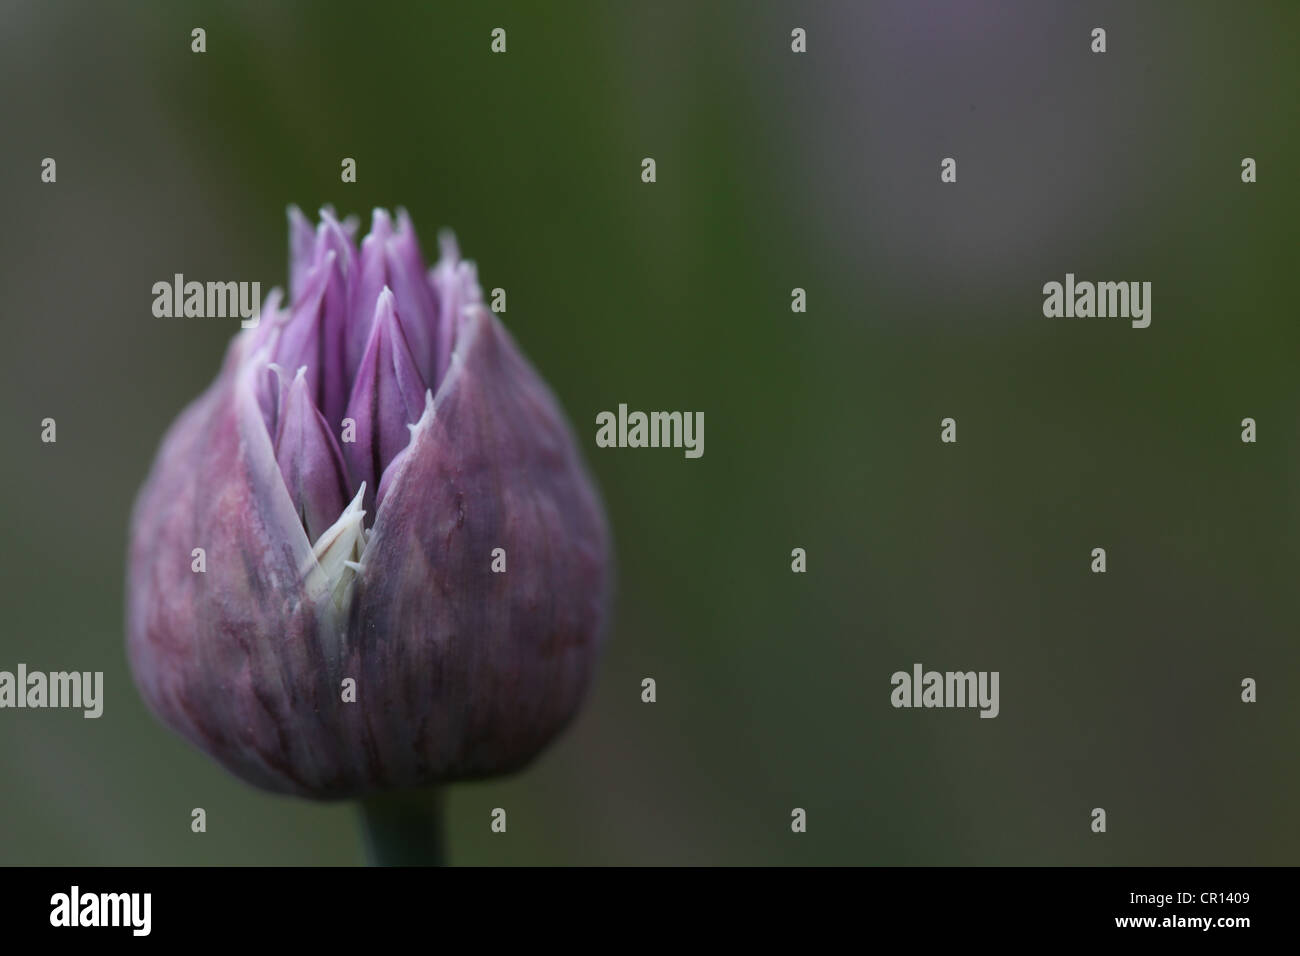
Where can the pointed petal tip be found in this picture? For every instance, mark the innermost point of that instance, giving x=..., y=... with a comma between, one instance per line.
x=385, y=311
x=276, y=369
x=302, y=244
x=336, y=544
x=332, y=236
x=406, y=243
x=426, y=416
x=448, y=248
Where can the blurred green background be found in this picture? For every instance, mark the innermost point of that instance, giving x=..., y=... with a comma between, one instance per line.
x=775, y=170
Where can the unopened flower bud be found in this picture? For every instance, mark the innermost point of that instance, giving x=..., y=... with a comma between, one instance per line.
x=361, y=456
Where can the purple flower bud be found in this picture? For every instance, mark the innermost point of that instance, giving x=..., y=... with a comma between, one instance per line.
x=413, y=597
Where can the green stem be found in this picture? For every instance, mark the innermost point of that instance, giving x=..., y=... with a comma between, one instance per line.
x=404, y=828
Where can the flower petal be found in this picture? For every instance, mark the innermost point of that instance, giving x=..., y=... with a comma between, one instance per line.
x=455, y=287
x=310, y=460
x=388, y=394
x=242, y=658
x=313, y=338
x=385, y=263
x=475, y=671
x=302, y=251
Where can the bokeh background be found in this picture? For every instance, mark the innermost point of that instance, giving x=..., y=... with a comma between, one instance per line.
x=775, y=170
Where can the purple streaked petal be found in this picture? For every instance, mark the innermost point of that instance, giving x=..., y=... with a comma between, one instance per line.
x=302, y=251
x=388, y=395
x=407, y=245
x=272, y=392
x=236, y=659
x=415, y=309
x=302, y=341
x=310, y=461
x=331, y=236
x=386, y=260
x=454, y=283
x=481, y=669
x=371, y=280
x=271, y=321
